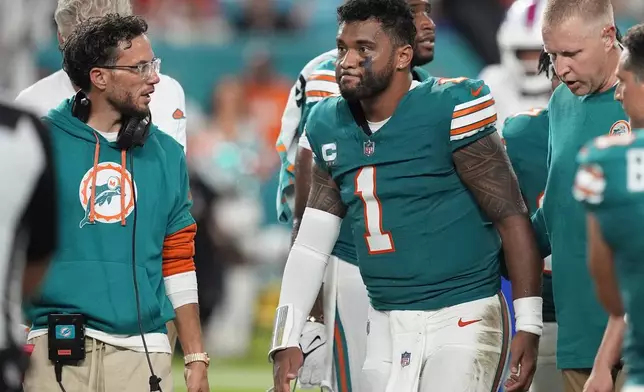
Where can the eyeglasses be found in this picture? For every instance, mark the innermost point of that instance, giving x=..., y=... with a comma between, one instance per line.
x=145, y=70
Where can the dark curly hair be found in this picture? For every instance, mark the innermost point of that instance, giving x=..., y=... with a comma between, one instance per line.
x=97, y=41
x=634, y=43
x=395, y=16
x=544, y=64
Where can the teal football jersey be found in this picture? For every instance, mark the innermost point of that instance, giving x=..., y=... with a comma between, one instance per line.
x=526, y=140
x=573, y=122
x=610, y=184
x=320, y=85
x=422, y=241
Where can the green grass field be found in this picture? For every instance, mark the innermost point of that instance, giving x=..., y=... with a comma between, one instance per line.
x=253, y=373
x=231, y=378
x=249, y=374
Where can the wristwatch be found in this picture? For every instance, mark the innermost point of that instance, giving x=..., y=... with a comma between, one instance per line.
x=197, y=357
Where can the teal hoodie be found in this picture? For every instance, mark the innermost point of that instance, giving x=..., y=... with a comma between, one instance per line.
x=91, y=272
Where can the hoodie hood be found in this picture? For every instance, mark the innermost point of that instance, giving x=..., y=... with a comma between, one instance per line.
x=62, y=118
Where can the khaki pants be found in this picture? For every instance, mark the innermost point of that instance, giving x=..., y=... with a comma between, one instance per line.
x=105, y=369
x=574, y=379
x=172, y=334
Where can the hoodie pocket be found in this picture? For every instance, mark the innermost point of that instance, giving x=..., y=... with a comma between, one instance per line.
x=103, y=291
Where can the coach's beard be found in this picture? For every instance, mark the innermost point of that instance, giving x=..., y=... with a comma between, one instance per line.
x=128, y=107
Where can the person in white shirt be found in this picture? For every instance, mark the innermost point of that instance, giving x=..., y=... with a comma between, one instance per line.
x=168, y=108
x=515, y=83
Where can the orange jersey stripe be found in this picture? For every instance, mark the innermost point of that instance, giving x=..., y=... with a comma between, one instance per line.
x=324, y=78
x=595, y=173
x=585, y=191
x=471, y=127
x=475, y=108
x=280, y=147
x=342, y=366
x=178, y=251
x=318, y=94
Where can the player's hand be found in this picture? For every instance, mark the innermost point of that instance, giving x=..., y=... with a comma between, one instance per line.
x=523, y=361
x=313, y=343
x=196, y=375
x=600, y=380
x=286, y=364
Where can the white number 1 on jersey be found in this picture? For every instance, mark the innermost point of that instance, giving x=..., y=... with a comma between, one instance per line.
x=378, y=240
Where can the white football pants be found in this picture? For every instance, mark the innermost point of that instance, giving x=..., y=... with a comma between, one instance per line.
x=460, y=348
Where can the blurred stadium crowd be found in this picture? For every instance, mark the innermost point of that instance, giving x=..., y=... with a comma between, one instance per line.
x=237, y=60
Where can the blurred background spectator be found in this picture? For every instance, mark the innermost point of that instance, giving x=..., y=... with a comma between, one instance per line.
x=237, y=60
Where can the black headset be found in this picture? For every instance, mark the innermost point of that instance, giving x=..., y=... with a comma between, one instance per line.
x=134, y=130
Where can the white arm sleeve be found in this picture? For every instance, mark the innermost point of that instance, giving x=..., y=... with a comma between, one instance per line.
x=303, y=275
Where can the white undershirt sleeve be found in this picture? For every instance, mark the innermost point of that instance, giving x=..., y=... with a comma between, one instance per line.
x=304, y=141
x=181, y=289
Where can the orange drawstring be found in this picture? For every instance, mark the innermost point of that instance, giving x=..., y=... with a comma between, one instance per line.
x=92, y=213
x=97, y=150
x=123, y=177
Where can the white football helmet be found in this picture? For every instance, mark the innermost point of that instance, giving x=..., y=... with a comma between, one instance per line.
x=521, y=30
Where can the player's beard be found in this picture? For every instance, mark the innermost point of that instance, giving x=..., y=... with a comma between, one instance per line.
x=371, y=84
x=127, y=106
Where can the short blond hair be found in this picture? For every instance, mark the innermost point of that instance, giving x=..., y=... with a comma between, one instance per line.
x=559, y=11
x=70, y=13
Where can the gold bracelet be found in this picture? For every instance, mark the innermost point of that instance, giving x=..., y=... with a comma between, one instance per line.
x=196, y=357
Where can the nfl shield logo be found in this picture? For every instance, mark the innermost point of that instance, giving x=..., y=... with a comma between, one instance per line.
x=405, y=359
x=369, y=148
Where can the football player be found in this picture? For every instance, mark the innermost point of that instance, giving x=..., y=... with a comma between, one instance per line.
x=526, y=140
x=516, y=85
x=609, y=183
x=346, y=298
x=581, y=40
x=411, y=165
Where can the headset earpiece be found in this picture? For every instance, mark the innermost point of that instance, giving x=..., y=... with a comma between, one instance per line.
x=81, y=106
x=134, y=131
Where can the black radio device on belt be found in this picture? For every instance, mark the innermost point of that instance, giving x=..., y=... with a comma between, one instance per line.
x=66, y=338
